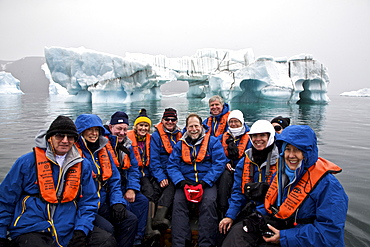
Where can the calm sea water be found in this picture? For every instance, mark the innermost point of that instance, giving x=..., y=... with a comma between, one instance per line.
x=342, y=128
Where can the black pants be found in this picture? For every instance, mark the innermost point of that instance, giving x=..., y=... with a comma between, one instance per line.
x=153, y=191
x=123, y=231
x=96, y=238
x=208, y=221
x=224, y=184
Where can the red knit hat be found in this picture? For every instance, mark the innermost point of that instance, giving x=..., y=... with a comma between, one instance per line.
x=193, y=193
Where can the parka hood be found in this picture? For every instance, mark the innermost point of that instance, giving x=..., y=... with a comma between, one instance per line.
x=85, y=121
x=302, y=137
x=40, y=139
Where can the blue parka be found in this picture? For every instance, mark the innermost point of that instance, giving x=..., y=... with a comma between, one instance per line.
x=21, y=213
x=238, y=200
x=209, y=170
x=158, y=154
x=327, y=202
x=111, y=190
x=216, y=119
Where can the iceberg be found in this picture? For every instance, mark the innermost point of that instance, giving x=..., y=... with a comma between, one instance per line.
x=9, y=84
x=89, y=75
x=364, y=92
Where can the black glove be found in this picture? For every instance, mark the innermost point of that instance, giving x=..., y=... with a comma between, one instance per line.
x=4, y=242
x=204, y=184
x=118, y=212
x=78, y=239
x=182, y=183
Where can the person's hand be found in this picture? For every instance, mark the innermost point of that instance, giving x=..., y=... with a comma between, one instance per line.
x=118, y=212
x=182, y=183
x=273, y=239
x=225, y=225
x=164, y=183
x=130, y=195
x=78, y=239
x=204, y=184
x=229, y=167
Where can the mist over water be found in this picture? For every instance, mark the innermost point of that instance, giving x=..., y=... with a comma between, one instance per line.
x=342, y=128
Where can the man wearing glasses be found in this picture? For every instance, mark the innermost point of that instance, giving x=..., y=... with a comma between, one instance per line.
x=161, y=143
x=48, y=198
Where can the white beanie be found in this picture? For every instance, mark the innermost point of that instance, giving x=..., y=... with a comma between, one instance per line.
x=263, y=126
x=236, y=114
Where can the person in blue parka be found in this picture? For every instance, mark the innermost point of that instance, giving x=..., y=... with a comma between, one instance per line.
x=198, y=159
x=48, y=198
x=255, y=168
x=235, y=142
x=166, y=136
x=217, y=121
x=129, y=170
x=318, y=217
x=94, y=146
x=305, y=204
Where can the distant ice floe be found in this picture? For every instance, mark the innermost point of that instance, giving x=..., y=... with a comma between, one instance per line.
x=9, y=84
x=237, y=76
x=364, y=92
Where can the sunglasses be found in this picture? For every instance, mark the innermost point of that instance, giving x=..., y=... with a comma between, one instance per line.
x=170, y=119
x=277, y=127
x=70, y=137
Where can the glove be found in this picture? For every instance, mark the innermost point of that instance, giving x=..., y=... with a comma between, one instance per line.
x=118, y=212
x=204, y=184
x=182, y=183
x=78, y=239
x=4, y=242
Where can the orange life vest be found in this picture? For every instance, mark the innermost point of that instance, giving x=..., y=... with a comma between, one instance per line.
x=241, y=146
x=221, y=125
x=45, y=179
x=164, y=137
x=248, y=178
x=301, y=191
x=105, y=169
x=126, y=159
x=135, y=147
x=185, y=151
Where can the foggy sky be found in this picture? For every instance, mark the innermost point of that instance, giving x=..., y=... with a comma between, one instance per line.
x=336, y=33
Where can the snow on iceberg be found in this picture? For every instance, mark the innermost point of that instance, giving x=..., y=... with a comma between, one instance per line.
x=235, y=75
x=9, y=84
x=364, y=92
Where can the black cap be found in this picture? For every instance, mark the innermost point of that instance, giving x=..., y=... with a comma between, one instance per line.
x=62, y=125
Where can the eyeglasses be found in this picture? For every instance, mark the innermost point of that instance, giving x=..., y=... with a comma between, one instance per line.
x=277, y=127
x=70, y=137
x=170, y=119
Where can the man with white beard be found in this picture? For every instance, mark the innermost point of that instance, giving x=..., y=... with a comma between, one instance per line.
x=195, y=164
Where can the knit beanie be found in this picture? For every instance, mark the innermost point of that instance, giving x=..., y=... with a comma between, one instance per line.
x=236, y=114
x=142, y=118
x=284, y=122
x=119, y=117
x=169, y=112
x=62, y=125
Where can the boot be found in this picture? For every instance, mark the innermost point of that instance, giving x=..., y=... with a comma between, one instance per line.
x=152, y=237
x=159, y=221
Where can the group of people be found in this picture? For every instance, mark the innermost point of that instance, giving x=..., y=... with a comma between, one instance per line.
x=90, y=184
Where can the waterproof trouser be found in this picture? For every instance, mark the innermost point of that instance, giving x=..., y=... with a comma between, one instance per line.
x=160, y=196
x=96, y=238
x=140, y=208
x=124, y=231
x=208, y=221
x=224, y=187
